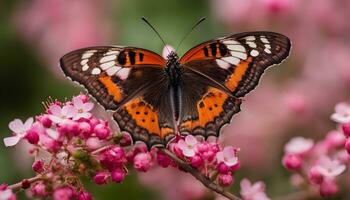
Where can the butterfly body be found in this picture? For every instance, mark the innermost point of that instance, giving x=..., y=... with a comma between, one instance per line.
x=154, y=98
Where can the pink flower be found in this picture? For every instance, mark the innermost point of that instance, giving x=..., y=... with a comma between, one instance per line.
x=298, y=145
x=101, y=178
x=83, y=195
x=39, y=190
x=328, y=188
x=82, y=108
x=292, y=161
x=64, y=193
x=7, y=194
x=254, y=191
x=62, y=115
x=118, y=175
x=225, y=179
x=329, y=168
x=188, y=146
x=342, y=113
x=38, y=166
x=227, y=156
x=19, y=130
x=142, y=161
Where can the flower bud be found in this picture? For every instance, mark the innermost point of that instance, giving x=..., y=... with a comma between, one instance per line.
x=63, y=193
x=315, y=176
x=32, y=136
x=83, y=195
x=225, y=179
x=85, y=129
x=39, y=190
x=328, y=188
x=292, y=162
x=101, y=178
x=38, y=166
x=196, y=161
x=46, y=121
x=347, y=145
x=163, y=160
x=142, y=162
x=346, y=129
x=118, y=175
x=101, y=131
x=223, y=169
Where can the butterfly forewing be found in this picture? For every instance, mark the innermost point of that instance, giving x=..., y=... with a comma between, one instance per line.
x=232, y=66
x=129, y=81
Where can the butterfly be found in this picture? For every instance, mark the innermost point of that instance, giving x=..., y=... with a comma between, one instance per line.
x=154, y=99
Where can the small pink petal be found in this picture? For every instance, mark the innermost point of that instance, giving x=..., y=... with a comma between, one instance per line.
x=11, y=141
x=52, y=134
x=188, y=152
x=16, y=126
x=182, y=144
x=220, y=157
x=55, y=110
x=78, y=102
x=191, y=140
x=28, y=124
x=69, y=111
x=88, y=106
x=55, y=119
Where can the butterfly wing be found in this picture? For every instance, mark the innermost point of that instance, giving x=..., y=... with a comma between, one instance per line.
x=232, y=66
x=131, y=82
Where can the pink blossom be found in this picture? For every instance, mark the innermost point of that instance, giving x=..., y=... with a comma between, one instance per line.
x=227, y=156
x=38, y=166
x=142, y=161
x=225, y=179
x=188, y=146
x=329, y=168
x=118, y=175
x=298, y=145
x=347, y=145
x=7, y=194
x=34, y=132
x=335, y=139
x=102, y=131
x=64, y=193
x=101, y=178
x=83, y=195
x=19, y=130
x=342, y=113
x=62, y=115
x=83, y=108
x=254, y=191
x=328, y=187
x=39, y=190
x=292, y=161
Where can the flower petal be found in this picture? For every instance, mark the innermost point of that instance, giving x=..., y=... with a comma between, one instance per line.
x=16, y=126
x=191, y=140
x=88, y=106
x=11, y=141
x=28, y=124
x=69, y=111
x=181, y=144
x=52, y=134
x=55, y=110
x=188, y=152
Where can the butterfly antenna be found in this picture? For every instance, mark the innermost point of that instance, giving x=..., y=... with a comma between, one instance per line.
x=149, y=24
x=190, y=31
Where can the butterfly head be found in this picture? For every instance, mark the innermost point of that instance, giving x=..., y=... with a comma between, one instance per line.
x=172, y=59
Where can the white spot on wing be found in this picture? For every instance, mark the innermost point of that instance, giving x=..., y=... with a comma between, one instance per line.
x=83, y=62
x=87, y=55
x=236, y=48
x=107, y=65
x=254, y=53
x=228, y=42
x=252, y=44
x=108, y=58
x=111, y=71
x=267, y=51
x=264, y=40
x=123, y=73
x=96, y=71
x=250, y=38
x=267, y=46
x=85, y=67
x=112, y=53
x=240, y=55
x=231, y=60
x=222, y=64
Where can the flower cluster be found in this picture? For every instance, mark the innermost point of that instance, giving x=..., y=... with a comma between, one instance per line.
x=209, y=158
x=69, y=142
x=321, y=163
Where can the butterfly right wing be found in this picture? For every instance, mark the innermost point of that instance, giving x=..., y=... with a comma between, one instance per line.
x=130, y=81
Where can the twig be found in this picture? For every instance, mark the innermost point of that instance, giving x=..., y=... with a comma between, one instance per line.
x=203, y=179
x=24, y=182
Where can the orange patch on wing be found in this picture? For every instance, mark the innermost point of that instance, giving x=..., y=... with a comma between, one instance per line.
x=111, y=87
x=236, y=77
x=146, y=117
x=142, y=57
x=209, y=107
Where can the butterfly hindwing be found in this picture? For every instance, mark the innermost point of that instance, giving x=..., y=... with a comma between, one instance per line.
x=128, y=81
x=232, y=66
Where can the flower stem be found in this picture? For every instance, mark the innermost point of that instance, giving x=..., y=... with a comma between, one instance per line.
x=29, y=181
x=203, y=179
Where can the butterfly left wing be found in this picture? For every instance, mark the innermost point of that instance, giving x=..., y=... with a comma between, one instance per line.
x=131, y=82
x=232, y=66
